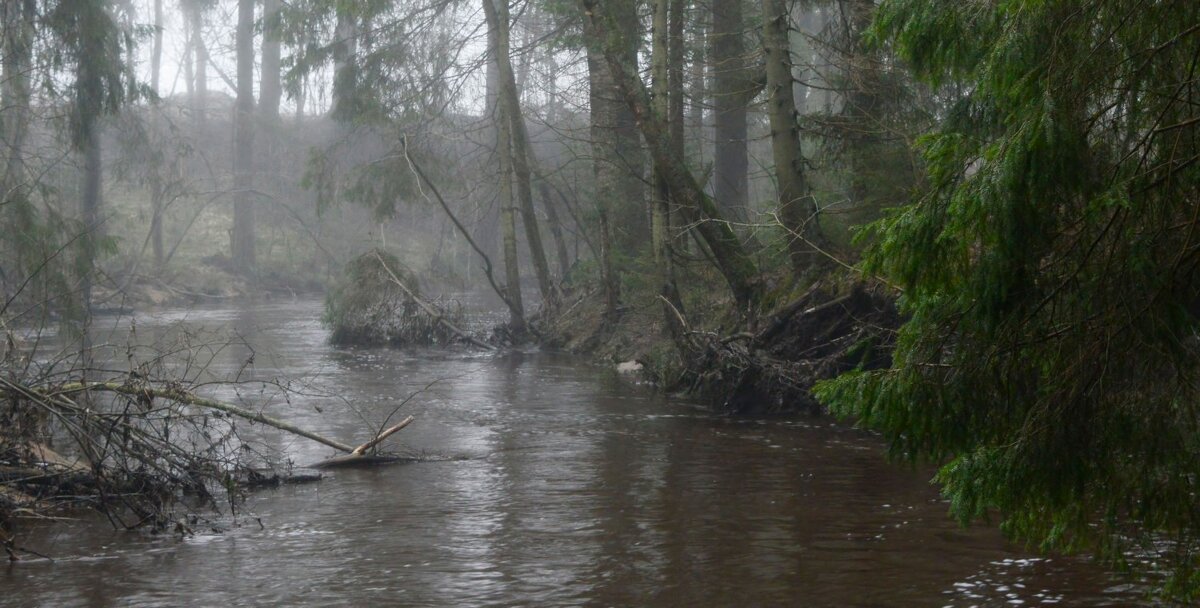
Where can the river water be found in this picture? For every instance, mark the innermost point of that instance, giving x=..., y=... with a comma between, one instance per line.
x=553, y=482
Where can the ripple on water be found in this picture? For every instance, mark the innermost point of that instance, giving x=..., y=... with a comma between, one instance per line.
x=581, y=489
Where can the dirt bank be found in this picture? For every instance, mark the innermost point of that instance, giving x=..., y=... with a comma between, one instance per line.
x=766, y=365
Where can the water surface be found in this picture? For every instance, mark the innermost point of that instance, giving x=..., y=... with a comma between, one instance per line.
x=563, y=485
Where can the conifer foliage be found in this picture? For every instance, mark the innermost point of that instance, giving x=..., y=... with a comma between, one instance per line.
x=1050, y=356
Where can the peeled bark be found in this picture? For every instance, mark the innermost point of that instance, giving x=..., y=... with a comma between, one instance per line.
x=242, y=245
x=797, y=211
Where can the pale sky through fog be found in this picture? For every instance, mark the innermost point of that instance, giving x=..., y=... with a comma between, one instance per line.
x=220, y=23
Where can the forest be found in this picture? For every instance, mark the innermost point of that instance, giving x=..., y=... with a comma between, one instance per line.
x=967, y=229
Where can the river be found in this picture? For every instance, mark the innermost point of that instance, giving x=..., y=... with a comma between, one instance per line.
x=551, y=482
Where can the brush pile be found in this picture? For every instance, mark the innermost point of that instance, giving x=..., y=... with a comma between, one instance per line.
x=816, y=337
x=378, y=302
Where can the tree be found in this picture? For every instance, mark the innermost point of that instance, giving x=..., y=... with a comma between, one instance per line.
x=603, y=109
x=517, y=146
x=93, y=43
x=156, y=180
x=1049, y=360
x=732, y=90
x=738, y=269
x=198, y=84
x=17, y=19
x=668, y=85
x=270, y=84
x=621, y=177
x=797, y=211
x=242, y=236
x=508, y=228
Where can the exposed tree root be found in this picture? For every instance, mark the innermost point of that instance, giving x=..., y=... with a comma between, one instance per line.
x=813, y=338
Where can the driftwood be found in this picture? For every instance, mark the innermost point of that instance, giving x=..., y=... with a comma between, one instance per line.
x=365, y=460
x=354, y=455
x=180, y=396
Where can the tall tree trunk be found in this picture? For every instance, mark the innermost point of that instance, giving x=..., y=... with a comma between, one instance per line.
x=200, y=61
x=604, y=167
x=242, y=245
x=632, y=228
x=730, y=85
x=89, y=208
x=508, y=229
x=661, y=72
x=510, y=110
x=345, y=49
x=797, y=211
x=862, y=104
x=737, y=268
x=675, y=117
x=156, y=180
x=270, y=89
x=301, y=94
x=16, y=211
x=699, y=89
x=17, y=19
x=157, y=48
x=189, y=76
x=552, y=218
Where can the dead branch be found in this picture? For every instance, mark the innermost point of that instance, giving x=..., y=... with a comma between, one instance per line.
x=437, y=315
x=180, y=396
x=362, y=449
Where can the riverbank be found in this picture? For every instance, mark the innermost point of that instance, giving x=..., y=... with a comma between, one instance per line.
x=567, y=488
x=767, y=364
x=212, y=279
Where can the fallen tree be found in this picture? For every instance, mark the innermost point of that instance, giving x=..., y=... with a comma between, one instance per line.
x=133, y=449
x=147, y=393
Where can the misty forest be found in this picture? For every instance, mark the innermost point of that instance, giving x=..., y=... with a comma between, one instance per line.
x=600, y=302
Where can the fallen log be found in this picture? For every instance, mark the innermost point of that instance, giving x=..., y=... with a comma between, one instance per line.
x=180, y=396
x=362, y=449
x=355, y=455
x=362, y=460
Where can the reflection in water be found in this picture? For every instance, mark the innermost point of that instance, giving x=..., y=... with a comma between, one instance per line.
x=567, y=487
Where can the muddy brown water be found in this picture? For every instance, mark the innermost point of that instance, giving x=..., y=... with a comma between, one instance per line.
x=565, y=485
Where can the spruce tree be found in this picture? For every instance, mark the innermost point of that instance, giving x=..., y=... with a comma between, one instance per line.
x=1050, y=358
